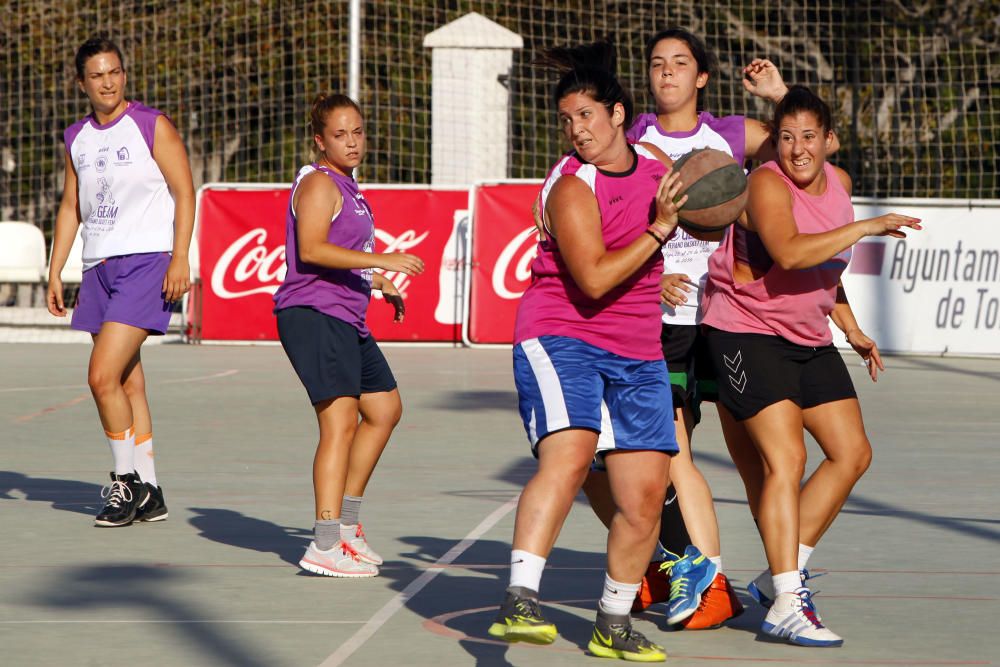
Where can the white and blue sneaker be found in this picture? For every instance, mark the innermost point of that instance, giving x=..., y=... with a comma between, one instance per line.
x=690, y=576
x=793, y=618
x=761, y=589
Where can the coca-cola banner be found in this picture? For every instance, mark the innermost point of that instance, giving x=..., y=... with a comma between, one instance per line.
x=241, y=246
x=503, y=245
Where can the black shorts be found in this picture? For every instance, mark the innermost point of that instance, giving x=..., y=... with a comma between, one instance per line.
x=757, y=370
x=330, y=357
x=692, y=374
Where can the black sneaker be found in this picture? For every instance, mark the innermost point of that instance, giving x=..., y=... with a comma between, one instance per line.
x=152, y=508
x=614, y=637
x=520, y=619
x=124, y=494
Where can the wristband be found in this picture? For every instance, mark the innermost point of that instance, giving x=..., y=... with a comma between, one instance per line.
x=657, y=237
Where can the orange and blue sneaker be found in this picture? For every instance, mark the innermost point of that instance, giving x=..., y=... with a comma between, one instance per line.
x=654, y=587
x=690, y=576
x=718, y=604
x=520, y=619
x=614, y=637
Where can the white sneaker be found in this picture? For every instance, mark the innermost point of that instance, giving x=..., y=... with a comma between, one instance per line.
x=793, y=618
x=761, y=589
x=355, y=536
x=341, y=560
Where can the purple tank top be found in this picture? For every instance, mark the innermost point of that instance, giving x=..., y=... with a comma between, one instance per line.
x=339, y=293
x=793, y=304
x=625, y=321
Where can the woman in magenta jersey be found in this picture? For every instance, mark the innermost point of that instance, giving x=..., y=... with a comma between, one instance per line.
x=129, y=184
x=771, y=287
x=321, y=308
x=589, y=371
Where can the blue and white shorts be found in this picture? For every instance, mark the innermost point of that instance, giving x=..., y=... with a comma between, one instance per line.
x=565, y=383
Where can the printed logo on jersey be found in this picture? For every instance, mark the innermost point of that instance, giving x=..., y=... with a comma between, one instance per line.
x=123, y=154
x=103, y=216
x=101, y=164
x=80, y=159
x=615, y=200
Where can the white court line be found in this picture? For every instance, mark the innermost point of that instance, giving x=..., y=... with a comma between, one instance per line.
x=222, y=374
x=392, y=606
x=102, y=621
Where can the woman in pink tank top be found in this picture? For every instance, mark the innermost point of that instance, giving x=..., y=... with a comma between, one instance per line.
x=589, y=373
x=771, y=287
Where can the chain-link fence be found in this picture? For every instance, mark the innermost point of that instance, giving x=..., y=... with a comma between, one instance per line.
x=915, y=86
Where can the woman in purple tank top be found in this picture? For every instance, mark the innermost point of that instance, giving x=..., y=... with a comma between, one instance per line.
x=321, y=308
x=771, y=288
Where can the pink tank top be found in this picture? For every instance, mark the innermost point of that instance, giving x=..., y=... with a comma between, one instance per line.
x=793, y=304
x=626, y=320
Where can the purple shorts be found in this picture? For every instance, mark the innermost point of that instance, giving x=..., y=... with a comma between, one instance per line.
x=126, y=289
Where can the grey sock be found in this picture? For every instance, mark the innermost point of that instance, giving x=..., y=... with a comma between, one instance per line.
x=349, y=510
x=327, y=533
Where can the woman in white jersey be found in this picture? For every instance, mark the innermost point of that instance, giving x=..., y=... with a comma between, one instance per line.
x=679, y=70
x=128, y=183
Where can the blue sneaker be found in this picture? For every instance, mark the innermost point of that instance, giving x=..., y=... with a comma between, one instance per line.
x=761, y=589
x=690, y=576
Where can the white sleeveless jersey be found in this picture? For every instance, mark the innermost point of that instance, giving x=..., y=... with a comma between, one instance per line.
x=125, y=205
x=683, y=253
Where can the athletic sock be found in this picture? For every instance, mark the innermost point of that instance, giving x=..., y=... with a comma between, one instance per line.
x=326, y=534
x=122, y=450
x=673, y=533
x=526, y=569
x=804, y=554
x=617, y=597
x=718, y=563
x=349, y=510
x=786, y=582
x=144, y=458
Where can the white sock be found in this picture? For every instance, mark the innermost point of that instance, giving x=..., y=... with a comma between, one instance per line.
x=526, y=569
x=786, y=582
x=718, y=563
x=122, y=450
x=804, y=553
x=144, y=458
x=617, y=597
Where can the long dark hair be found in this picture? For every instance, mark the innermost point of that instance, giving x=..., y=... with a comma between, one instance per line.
x=93, y=46
x=589, y=69
x=706, y=60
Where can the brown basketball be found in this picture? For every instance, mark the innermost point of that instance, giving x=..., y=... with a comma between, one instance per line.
x=716, y=188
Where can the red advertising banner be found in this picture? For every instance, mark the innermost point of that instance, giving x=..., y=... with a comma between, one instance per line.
x=504, y=243
x=241, y=245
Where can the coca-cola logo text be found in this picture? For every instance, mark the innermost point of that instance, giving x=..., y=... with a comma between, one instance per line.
x=519, y=253
x=402, y=243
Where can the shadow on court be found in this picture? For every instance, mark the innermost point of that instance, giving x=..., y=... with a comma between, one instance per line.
x=63, y=494
x=238, y=530
x=464, y=401
x=859, y=504
x=130, y=593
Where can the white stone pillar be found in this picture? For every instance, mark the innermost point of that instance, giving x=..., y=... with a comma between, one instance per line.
x=469, y=104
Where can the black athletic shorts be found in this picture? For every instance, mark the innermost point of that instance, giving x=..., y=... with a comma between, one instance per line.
x=757, y=370
x=330, y=357
x=692, y=374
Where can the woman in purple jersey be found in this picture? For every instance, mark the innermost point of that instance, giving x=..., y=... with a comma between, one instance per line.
x=772, y=286
x=587, y=365
x=321, y=308
x=127, y=175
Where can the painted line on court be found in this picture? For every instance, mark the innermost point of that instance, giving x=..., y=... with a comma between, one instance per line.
x=399, y=601
x=438, y=625
x=82, y=397
x=181, y=621
x=221, y=374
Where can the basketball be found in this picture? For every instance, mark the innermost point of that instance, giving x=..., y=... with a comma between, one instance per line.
x=716, y=188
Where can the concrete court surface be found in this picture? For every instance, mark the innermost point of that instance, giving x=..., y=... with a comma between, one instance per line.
x=913, y=560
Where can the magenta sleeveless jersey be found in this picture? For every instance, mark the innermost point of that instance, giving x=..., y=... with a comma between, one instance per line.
x=625, y=321
x=340, y=293
x=793, y=304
